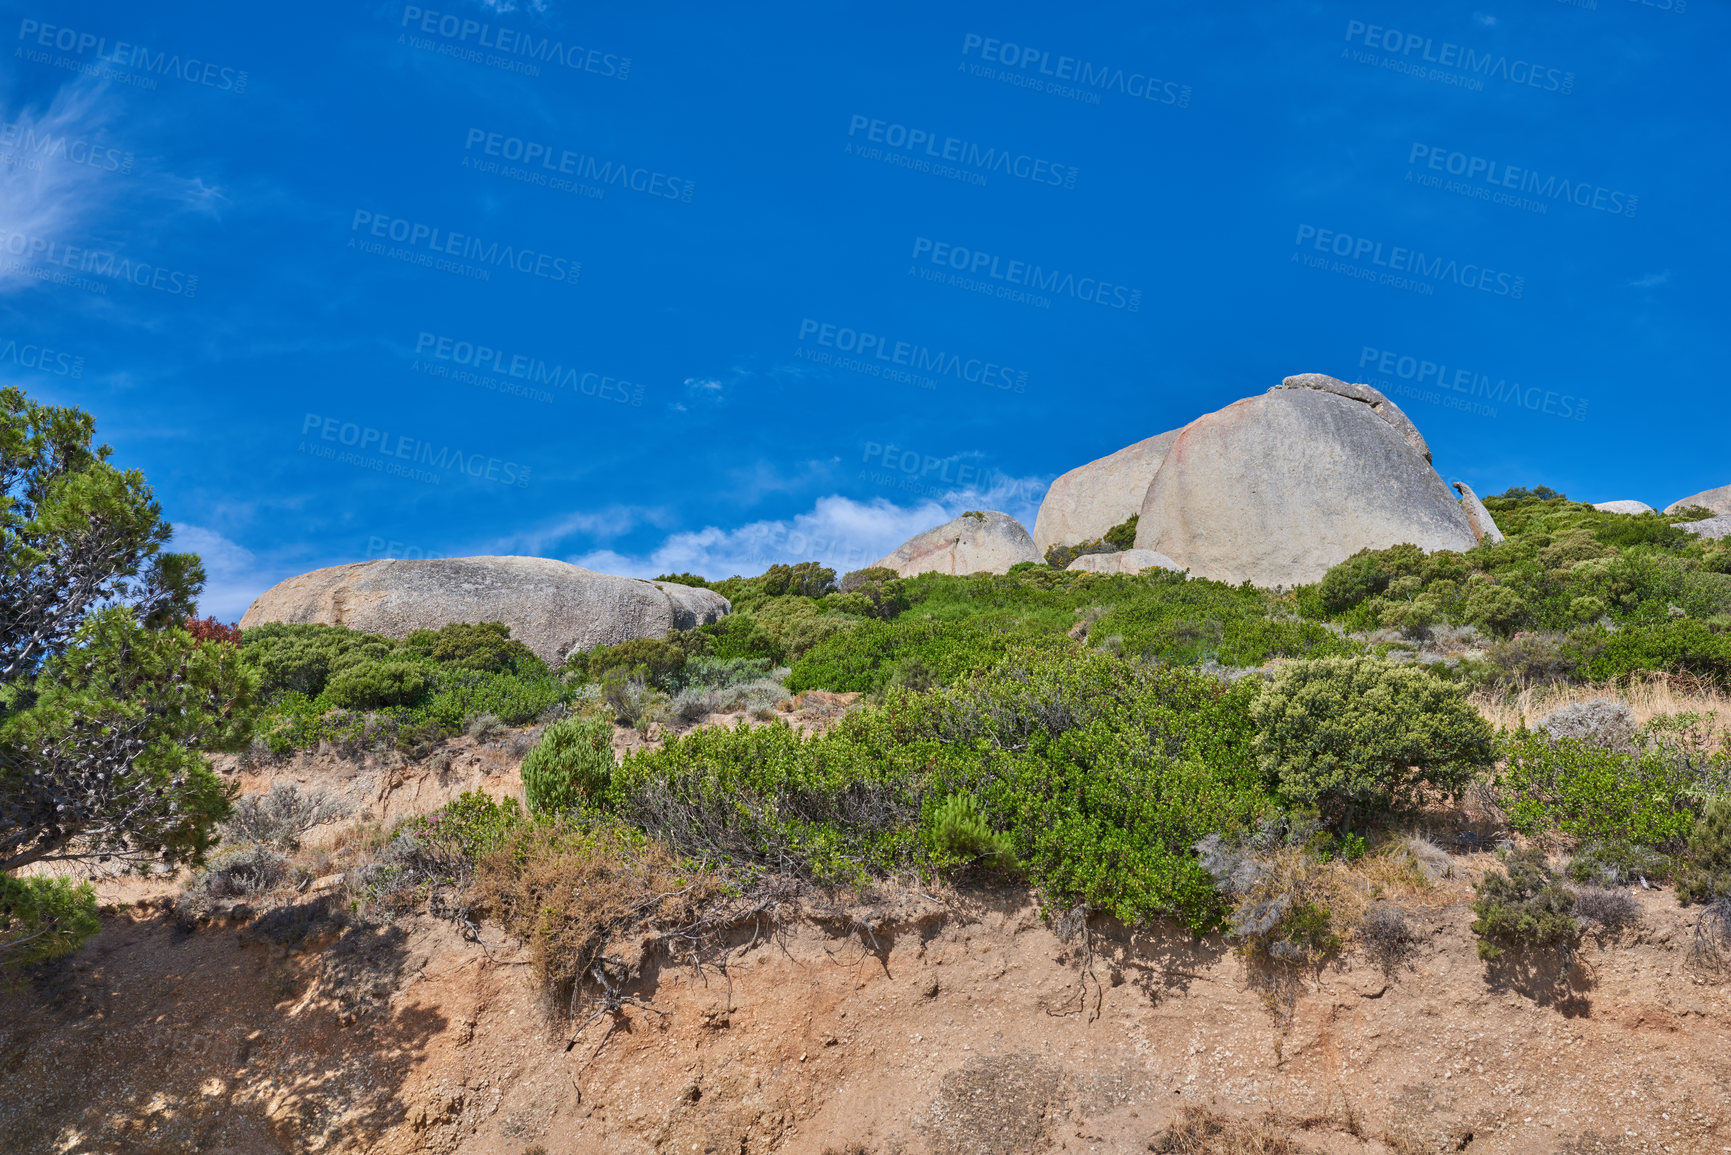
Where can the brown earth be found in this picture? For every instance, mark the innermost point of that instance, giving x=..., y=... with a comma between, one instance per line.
x=954, y=1022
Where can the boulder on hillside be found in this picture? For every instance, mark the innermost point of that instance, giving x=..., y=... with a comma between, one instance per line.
x=1717, y=500
x=1625, y=506
x=1276, y=489
x=1484, y=525
x=552, y=607
x=1711, y=528
x=976, y=542
x=1123, y=561
x=1090, y=499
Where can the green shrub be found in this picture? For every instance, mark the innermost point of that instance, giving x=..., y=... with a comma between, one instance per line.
x=649, y=659
x=957, y=829
x=1526, y=907
x=1494, y=608
x=372, y=685
x=301, y=658
x=571, y=765
x=1101, y=774
x=44, y=918
x=1122, y=535
x=1359, y=735
x=738, y=635
x=486, y=647
x=1706, y=869
x=1594, y=793
x=1617, y=863
x=685, y=579
x=1683, y=644
x=514, y=699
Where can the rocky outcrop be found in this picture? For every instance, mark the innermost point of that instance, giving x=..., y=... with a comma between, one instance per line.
x=1123, y=561
x=1090, y=499
x=1717, y=500
x=976, y=542
x=1624, y=507
x=553, y=607
x=1379, y=405
x=1484, y=525
x=1712, y=528
x=1276, y=489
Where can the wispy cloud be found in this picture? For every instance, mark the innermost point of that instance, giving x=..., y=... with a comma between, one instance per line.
x=44, y=194
x=837, y=531
x=1651, y=280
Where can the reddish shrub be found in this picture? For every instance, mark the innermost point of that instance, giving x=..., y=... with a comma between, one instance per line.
x=211, y=630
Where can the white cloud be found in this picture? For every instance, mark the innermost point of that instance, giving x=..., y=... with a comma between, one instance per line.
x=1651, y=280
x=838, y=532
x=1487, y=20
x=49, y=197
x=234, y=576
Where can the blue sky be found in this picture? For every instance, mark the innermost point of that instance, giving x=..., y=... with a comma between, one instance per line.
x=671, y=288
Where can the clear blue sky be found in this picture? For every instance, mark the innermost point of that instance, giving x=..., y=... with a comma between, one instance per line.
x=796, y=281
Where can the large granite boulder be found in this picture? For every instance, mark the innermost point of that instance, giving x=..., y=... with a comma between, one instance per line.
x=1711, y=528
x=1276, y=489
x=1090, y=499
x=1624, y=506
x=1123, y=561
x=552, y=607
x=976, y=542
x=1717, y=500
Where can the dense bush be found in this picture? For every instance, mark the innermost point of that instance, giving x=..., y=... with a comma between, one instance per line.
x=1525, y=907
x=485, y=647
x=956, y=828
x=571, y=765
x=1101, y=775
x=1593, y=792
x=43, y=918
x=374, y=685
x=647, y=659
x=1706, y=870
x=1362, y=736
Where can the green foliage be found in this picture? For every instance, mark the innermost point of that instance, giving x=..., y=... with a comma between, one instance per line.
x=300, y=659
x=1617, y=862
x=374, y=685
x=1525, y=907
x=1681, y=644
x=107, y=702
x=1537, y=493
x=1361, y=735
x=806, y=580
x=485, y=647
x=685, y=579
x=474, y=824
x=1705, y=873
x=648, y=659
x=956, y=626
x=1495, y=609
x=1123, y=535
x=957, y=829
x=1100, y=774
x=44, y=918
x=738, y=635
x=570, y=766
x=1590, y=792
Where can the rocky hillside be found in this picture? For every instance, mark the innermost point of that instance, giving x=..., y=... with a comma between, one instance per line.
x=951, y=1020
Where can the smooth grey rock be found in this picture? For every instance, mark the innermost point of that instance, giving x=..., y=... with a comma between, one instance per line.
x=1717, y=500
x=1090, y=499
x=552, y=607
x=1123, y=561
x=1380, y=405
x=1276, y=489
x=1711, y=528
x=1484, y=525
x=1624, y=506
x=694, y=606
x=977, y=542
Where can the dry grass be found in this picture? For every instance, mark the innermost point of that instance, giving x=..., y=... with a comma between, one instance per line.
x=1648, y=697
x=568, y=891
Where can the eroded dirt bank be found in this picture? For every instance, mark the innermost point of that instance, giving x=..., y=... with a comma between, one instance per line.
x=951, y=1023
